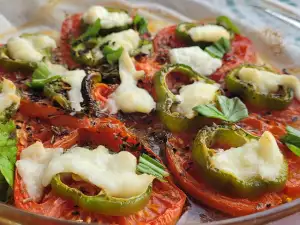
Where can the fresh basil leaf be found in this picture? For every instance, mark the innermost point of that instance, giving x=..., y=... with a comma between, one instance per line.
x=214, y=51
x=219, y=48
x=225, y=22
x=92, y=30
x=112, y=55
x=292, y=140
x=294, y=149
x=233, y=109
x=41, y=76
x=225, y=43
x=210, y=111
x=8, y=152
x=292, y=137
x=140, y=24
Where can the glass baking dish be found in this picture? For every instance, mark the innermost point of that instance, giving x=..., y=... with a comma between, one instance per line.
x=47, y=16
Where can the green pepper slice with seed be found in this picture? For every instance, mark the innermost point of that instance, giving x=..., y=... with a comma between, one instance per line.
x=101, y=203
x=206, y=146
x=273, y=101
x=166, y=100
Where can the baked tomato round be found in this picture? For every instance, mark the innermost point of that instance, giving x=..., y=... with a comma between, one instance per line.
x=164, y=207
x=258, y=123
x=179, y=161
x=51, y=114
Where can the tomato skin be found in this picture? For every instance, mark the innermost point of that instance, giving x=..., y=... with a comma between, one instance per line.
x=289, y=116
x=242, y=51
x=166, y=39
x=164, y=207
x=53, y=115
x=185, y=172
x=70, y=29
x=150, y=66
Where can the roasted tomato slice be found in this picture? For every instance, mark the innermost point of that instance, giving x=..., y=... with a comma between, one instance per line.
x=51, y=114
x=179, y=161
x=260, y=123
x=166, y=202
x=242, y=51
x=70, y=29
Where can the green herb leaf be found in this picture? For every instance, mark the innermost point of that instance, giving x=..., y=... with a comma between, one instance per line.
x=219, y=48
x=225, y=22
x=140, y=24
x=292, y=137
x=294, y=149
x=152, y=167
x=210, y=111
x=214, y=51
x=112, y=56
x=41, y=76
x=292, y=140
x=232, y=110
x=92, y=30
x=8, y=152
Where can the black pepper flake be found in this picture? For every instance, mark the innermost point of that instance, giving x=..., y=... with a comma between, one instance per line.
x=285, y=71
x=174, y=150
x=75, y=213
x=268, y=205
x=295, y=118
x=268, y=113
x=18, y=127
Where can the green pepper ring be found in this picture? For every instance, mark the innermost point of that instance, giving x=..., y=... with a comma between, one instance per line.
x=174, y=121
x=225, y=181
x=104, y=31
x=181, y=33
x=12, y=65
x=248, y=93
x=102, y=203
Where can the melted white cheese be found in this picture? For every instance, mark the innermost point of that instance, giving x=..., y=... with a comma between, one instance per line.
x=107, y=19
x=128, y=97
x=196, y=58
x=74, y=79
x=30, y=48
x=191, y=95
x=267, y=82
x=128, y=39
x=113, y=173
x=258, y=158
x=31, y=167
x=209, y=33
x=8, y=95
